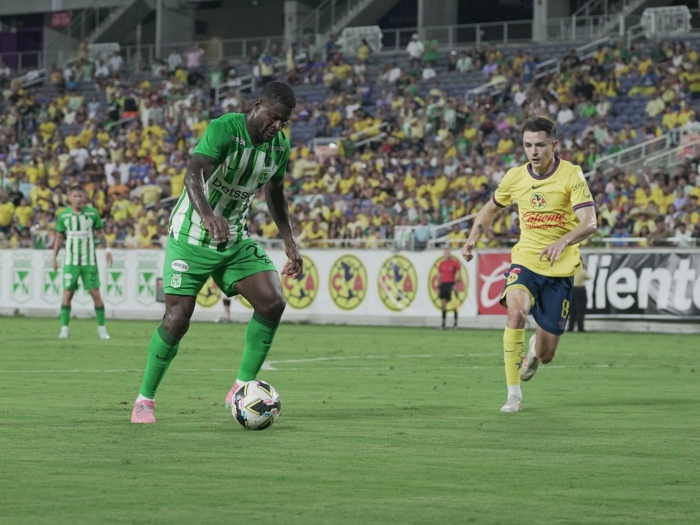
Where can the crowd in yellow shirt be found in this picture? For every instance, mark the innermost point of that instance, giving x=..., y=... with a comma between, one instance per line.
x=438, y=159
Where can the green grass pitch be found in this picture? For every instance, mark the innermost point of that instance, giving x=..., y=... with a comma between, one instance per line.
x=378, y=426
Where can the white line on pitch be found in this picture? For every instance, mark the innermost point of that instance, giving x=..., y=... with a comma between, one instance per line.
x=268, y=364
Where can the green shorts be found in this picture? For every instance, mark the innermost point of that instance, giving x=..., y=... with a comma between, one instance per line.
x=88, y=274
x=187, y=266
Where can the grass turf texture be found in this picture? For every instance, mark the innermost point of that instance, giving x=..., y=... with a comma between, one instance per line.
x=612, y=436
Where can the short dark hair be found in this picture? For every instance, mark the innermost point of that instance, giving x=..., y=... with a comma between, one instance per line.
x=538, y=124
x=277, y=92
x=77, y=187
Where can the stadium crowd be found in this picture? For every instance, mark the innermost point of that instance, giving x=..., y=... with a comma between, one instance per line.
x=408, y=151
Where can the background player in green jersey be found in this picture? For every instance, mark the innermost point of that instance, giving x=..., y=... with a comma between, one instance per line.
x=237, y=155
x=78, y=225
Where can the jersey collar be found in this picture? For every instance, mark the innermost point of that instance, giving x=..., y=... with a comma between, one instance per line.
x=546, y=175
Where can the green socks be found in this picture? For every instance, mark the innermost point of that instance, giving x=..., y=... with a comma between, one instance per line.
x=100, y=315
x=65, y=315
x=162, y=351
x=258, y=339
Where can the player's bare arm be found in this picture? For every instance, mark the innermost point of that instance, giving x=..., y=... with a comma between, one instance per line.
x=586, y=227
x=100, y=234
x=198, y=172
x=277, y=205
x=482, y=221
x=56, y=249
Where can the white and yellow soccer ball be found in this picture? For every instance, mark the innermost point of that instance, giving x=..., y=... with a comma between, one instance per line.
x=256, y=405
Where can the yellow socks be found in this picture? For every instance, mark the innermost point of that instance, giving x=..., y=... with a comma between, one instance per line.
x=513, y=355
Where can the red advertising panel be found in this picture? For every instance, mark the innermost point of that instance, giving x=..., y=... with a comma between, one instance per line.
x=492, y=268
x=60, y=19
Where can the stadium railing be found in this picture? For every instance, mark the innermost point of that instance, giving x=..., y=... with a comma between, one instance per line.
x=405, y=235
x=674, y=156
x=247, y=82
x=643, y=242
x=638, y=153
x=548, y=67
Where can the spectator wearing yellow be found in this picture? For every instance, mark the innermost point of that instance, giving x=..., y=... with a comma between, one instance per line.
x=151, y=192
x=269, y=228
x=670, y=118
x=47, y=129
x=685, y=114
x=599, y=85
x=341, y=70
x=628, y=133
x=24, y=213
x=199, y=127
x=7, y=211
x=501, y=227
x=177, y=181
x=609, y=212
x=644, y=65
x=315, y=235
x=347, y=183
x=35, y=170
x=477, y=180
x=143, y=237
x=40, y=195
x=111, y=234
x=439, y=185
x=641, y=220
x=120, y=208
x=665, y=200
x=456, y=238
x=505, y=144
x=363, y=51
x=656, y=105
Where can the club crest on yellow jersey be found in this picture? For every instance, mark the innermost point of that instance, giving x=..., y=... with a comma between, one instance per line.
x=538, y=201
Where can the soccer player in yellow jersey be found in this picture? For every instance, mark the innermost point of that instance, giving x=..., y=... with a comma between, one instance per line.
x=556, y=213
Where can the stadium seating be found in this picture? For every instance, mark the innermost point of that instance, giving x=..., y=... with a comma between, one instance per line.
x=417, y=154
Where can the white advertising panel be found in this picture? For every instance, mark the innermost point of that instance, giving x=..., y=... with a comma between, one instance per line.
x=338, y=286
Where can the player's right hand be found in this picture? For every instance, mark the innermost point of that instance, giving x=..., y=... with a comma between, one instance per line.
x=54, y=263
x=468, y=250
x=217, y=227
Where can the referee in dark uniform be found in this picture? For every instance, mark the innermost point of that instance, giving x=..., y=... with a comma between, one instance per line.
x=578, y=301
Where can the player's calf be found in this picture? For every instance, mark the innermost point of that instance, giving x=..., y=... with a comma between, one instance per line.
x=530, y=362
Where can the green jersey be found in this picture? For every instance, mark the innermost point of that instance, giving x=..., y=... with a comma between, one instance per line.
x=240, y=170
x=78, y=228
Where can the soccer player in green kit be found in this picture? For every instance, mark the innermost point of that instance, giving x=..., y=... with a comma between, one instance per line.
x=237, y=155
x=76, y=225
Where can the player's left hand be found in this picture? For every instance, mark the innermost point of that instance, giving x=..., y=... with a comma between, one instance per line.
x=553, y=252
x=295, y=264
x=109, y=260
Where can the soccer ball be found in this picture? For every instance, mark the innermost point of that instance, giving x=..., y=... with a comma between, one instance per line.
x=256, y=405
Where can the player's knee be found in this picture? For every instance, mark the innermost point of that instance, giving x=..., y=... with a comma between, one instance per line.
x=516, y=318
x=176, y=322
x=274, y=307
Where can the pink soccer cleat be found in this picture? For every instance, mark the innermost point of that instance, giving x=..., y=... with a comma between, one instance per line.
x=229, y=397
x=143, y=412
